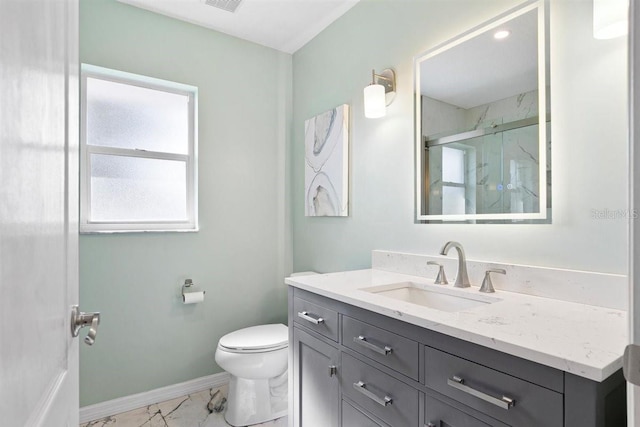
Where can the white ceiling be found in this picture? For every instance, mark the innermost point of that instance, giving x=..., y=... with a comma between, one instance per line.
x=285, y=25
x=482, y=70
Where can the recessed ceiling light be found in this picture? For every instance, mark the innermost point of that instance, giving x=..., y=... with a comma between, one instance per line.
x=501, y=34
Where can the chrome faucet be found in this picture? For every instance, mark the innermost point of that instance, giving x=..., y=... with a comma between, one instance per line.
x=487, y=284
x=462, y=279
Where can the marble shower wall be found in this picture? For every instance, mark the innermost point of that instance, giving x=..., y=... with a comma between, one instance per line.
x=440, y=118
x=517, y=107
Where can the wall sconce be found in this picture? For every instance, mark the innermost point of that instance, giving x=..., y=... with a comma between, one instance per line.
x=610, y=18
x=379, y=93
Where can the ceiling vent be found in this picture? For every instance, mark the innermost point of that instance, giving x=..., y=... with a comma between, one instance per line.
x=228, y=5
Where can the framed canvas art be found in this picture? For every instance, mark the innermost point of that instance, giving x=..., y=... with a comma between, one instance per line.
x=326, y=170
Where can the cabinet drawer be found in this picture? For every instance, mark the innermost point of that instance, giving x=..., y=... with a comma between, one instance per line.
x=351, y=417
x=316, y=317
x=487, y=391
x=439, y=414
x=398, y=353
x=393, y=401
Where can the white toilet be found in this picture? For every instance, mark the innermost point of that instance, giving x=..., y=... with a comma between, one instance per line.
x=256, y=358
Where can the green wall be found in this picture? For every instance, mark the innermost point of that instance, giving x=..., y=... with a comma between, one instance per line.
x=147, y=338
x=589, y=139
x=253, y=103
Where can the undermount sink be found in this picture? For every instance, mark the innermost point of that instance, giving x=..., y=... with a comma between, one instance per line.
x=431, y=296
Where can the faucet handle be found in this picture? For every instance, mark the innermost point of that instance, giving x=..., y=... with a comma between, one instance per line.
x=487, y=285
x=441, y=278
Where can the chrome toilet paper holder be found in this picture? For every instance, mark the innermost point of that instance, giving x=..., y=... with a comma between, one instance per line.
x=188, y=283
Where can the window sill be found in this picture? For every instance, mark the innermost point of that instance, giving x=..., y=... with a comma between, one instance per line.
x=168, y=230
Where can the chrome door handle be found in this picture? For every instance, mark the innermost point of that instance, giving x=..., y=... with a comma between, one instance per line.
x=382, y=401
x=504, y=403
x=80, y=320
x=385, y=351
x=306, y=316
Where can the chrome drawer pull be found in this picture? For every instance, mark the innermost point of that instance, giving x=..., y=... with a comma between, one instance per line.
x=504, y=403
x=366, y=344
x=315, y=320
x=383, y=401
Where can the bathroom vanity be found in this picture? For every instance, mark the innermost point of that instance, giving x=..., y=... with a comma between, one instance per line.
x=363, y=355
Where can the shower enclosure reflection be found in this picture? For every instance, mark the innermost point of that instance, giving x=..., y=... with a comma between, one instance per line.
x=490, y=171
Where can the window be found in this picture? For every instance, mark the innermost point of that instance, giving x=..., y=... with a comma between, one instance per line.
x=453, y=182
x=138, y=153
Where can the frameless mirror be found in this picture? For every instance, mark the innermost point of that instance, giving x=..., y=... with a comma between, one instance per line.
x=483, y=123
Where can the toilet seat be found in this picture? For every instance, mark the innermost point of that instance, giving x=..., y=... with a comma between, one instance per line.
x=256, y=339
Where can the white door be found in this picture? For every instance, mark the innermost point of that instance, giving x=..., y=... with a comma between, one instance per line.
x=38, y=212
x=634, y=309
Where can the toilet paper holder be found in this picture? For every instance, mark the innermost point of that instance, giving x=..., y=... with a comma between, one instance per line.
x=187, y=284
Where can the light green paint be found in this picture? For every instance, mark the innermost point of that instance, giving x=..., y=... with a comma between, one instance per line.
x=251, y=175
x=589, y=125
x=147, y=338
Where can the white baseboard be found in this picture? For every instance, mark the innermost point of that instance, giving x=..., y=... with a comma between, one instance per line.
x=135, y=401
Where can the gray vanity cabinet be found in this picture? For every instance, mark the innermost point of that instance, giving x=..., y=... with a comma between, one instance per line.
x=502, y=396
x=392, y=350
x=378, y=393
x=353, y=417
x=316, y=385
x=440, y=414
x=317, y=318
x=356, y=368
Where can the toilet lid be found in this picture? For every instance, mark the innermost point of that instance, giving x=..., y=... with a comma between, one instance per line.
x=262, y=337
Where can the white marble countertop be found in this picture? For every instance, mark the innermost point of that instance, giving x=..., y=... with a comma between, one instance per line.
x=581, y=339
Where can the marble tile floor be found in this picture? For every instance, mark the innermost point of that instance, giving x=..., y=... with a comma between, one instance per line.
x=185, y=411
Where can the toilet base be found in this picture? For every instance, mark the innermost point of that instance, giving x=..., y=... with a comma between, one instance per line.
x=256, y=401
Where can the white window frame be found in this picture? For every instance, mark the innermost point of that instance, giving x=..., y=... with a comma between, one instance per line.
x=91, y=226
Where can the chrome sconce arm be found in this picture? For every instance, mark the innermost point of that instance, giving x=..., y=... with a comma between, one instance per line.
x=380, y=93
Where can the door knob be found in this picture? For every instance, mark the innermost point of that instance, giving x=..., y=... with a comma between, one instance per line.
x=80, y=319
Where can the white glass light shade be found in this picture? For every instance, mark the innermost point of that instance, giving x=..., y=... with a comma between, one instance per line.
x=375, y=103
x=610, y=18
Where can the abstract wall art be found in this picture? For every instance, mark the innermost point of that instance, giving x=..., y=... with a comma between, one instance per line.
x=326, y=170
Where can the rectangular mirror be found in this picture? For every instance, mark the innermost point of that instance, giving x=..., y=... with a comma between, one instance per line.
x=483, y=146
